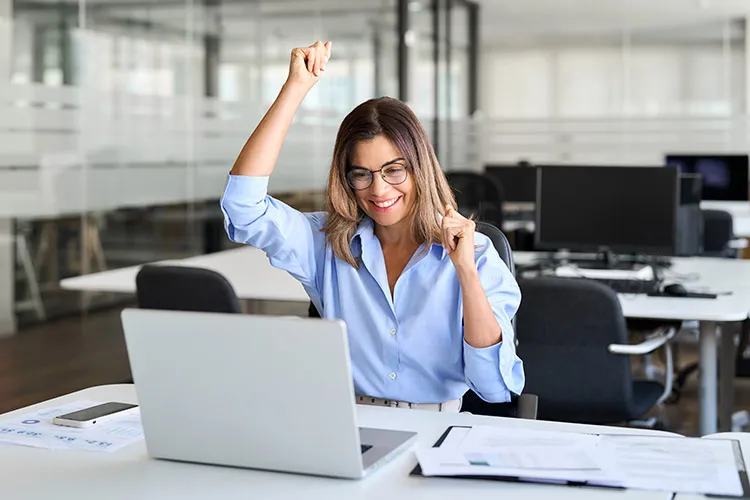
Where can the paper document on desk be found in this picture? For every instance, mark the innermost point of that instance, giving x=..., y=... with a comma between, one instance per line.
x=36, y=429
x=674, y=464
x=683, y=465
x=550, y=456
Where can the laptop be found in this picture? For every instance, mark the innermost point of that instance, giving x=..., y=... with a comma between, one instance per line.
x=261, y=392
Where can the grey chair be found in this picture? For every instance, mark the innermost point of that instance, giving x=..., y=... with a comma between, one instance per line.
x=182, y=288
x=574, y=345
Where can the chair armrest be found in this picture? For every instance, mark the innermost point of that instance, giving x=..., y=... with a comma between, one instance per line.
x=737, y=244
x=527, y=406
x=651, y=344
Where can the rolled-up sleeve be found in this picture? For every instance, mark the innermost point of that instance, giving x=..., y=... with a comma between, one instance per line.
x=290, y=238
x=496, y=372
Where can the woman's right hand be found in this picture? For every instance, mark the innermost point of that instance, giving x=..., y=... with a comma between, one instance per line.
x=307, y=63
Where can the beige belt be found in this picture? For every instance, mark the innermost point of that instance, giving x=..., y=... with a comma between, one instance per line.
x=452, y=406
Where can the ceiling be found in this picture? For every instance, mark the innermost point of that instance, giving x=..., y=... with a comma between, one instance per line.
x=532, y=21
x=503, y=22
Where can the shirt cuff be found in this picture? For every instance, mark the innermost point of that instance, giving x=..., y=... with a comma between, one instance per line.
x=241, y=193
x=246, y=188
x=494, y=372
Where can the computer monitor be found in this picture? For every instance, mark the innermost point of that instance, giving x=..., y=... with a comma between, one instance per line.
x=608, y=209
x=519, y=183
x=725, y=177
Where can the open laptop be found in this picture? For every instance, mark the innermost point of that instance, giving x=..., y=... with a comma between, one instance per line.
x=260, y=392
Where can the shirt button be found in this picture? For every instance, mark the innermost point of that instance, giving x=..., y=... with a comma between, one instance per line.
x=392, y=332
x=392, y=375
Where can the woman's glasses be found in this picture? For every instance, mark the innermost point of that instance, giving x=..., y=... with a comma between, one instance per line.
x=361, y=178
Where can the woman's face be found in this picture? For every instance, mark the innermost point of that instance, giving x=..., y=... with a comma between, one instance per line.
x=387, y=201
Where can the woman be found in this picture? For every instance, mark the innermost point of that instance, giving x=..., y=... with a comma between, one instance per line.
x=428, y=312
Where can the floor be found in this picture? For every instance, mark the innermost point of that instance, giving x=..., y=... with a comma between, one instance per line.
x=64, y=355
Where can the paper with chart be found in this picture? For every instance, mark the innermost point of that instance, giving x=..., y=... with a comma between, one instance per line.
x=674, y=464
x=36, y=429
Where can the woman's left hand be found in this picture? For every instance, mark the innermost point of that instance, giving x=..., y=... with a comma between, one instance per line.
x=458, y=239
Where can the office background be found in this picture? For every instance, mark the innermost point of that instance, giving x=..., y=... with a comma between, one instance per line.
x=120, y=118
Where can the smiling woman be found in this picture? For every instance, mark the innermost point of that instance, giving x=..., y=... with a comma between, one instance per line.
x=427, y=302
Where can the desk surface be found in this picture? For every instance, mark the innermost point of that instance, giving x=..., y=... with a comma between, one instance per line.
x=697, y=274
x=131, y=473
x=253, y=277
x=247, y=268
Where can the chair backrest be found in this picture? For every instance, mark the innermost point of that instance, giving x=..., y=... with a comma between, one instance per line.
x=182, y=288
x=566, y=326
x=478, y=194
x=718, y=231
x=500, y=242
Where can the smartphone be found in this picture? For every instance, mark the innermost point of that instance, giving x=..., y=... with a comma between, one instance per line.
x=95, y=414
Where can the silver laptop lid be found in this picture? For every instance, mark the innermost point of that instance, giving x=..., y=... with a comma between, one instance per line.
x=251, y=391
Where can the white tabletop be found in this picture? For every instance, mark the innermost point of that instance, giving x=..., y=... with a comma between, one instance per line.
x=253, y=277
x=699, y=274
x=131, y=474
x=247, y=268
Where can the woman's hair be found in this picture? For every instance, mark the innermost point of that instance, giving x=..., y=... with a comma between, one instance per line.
x=395, y=121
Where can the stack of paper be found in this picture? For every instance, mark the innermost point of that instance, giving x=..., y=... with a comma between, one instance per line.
x=673, y=464
x=37, y=430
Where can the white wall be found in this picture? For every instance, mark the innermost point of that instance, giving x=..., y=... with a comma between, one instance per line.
x=612, y=103
x=598, y=82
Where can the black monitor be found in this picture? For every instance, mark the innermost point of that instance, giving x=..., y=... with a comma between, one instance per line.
x=725, y=177
x=608, y=209
x=519, y=183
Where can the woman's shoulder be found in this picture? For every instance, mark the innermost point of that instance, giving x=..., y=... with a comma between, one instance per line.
x=317, y=219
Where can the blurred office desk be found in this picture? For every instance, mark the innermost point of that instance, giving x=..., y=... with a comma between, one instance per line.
x=731, y=276
x=247, y=268
x=131, y=474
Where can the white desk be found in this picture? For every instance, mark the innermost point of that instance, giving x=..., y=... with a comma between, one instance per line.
x=253, y=277
x=131, y=474
x=247, y=268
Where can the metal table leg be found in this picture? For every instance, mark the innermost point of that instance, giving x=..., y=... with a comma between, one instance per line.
x=708, y=377
x=726, y=375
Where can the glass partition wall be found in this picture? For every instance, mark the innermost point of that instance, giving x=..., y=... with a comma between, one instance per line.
x=120, y=119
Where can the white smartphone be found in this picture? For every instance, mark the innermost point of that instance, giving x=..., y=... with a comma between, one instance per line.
x=95, y=414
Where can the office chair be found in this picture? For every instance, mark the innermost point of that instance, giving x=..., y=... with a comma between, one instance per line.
x=524, y=405
x=182, y=288
x=576, y=353
x=479, y=195
x=718, y=235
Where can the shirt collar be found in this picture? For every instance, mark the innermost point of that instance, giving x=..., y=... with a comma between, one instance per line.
x=366, y=229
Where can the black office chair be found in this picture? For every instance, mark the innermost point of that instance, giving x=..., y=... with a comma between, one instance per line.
x=479, y=195
x=576, y=353
x=525, y=405
x=718, y=234
x=181, y=288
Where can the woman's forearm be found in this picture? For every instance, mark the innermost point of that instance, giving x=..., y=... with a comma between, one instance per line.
x=261, y=151
x=481, y=328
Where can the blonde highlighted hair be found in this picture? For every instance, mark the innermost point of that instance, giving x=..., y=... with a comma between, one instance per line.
x=395, y=121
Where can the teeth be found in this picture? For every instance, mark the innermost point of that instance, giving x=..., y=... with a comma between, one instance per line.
x=386, y=204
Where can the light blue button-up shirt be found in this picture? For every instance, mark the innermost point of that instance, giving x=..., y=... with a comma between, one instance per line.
x=409, y=347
